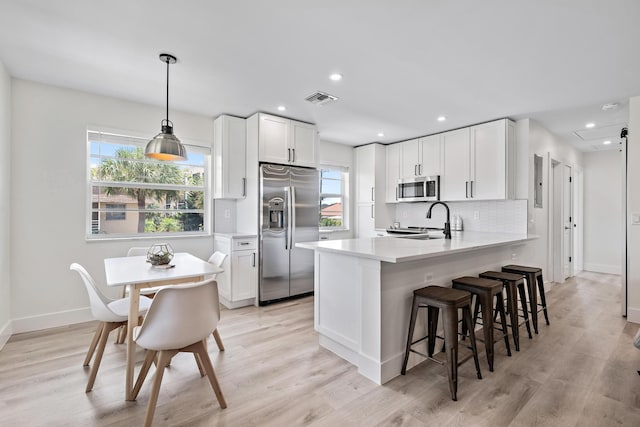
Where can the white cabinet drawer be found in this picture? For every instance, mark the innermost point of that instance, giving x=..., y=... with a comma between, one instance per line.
x=243, y=244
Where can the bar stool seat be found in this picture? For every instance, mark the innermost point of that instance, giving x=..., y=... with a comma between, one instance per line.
x=436, y=298
x=514, y=285
x=485, y=290
x=532, y=275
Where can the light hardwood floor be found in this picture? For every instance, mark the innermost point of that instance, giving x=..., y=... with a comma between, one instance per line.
x=580, y=371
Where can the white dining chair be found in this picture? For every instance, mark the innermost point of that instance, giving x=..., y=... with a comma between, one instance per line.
x=179, y=320
x=112, y=314
x=217, y=259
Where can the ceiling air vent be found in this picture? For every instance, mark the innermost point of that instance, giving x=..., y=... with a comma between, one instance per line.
x=321, y=98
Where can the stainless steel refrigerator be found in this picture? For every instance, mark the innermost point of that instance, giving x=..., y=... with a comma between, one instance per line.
x=290, y=211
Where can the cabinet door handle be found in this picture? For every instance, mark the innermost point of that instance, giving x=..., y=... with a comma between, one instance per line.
x=466, y=189
x=288, y=154
x=253, y=259
x=415, y=170
x=420, y=169
x=471, y=187
x=373, y=196
x=244, y=187
x=244, y=243
x=396, y=193
x=293, y=151
x=372, y=214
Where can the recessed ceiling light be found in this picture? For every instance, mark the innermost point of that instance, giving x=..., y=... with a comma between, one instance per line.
x=610, y=106
x=441, y=118
x=281, y=108
x=336, y=77
x=607, y=142
x=380, y=134
x=590, y=125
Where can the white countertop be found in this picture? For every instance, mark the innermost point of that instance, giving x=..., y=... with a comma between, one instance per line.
x=395, y=249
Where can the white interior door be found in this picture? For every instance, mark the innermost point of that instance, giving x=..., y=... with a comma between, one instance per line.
x=567, y=223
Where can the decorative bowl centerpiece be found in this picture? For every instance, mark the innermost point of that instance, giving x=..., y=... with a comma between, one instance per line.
x=160, y=254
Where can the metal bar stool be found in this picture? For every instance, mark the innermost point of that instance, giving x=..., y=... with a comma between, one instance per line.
x=485, y=291
x=436, y=298
x=514, y=285
x=533, y=275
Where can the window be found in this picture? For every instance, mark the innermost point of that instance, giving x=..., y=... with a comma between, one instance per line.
x=333, y=187
x=115, y=212
x=131, y=195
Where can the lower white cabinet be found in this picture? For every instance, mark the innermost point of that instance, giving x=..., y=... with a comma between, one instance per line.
x=238, y=284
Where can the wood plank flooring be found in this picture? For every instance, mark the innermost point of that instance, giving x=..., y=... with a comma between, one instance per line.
x=579, y=371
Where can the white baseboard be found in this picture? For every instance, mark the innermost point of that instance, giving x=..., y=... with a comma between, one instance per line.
x=51, y=320
x=633, y=315
x=236, y=304
x=5, y=334
x=602, y=268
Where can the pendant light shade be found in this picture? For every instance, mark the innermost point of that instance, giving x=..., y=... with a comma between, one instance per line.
x=165, y=145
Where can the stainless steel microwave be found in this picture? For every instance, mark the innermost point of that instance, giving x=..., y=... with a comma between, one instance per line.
x=419, y=189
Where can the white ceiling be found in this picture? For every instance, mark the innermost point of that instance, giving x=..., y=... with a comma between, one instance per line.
x=404, y=62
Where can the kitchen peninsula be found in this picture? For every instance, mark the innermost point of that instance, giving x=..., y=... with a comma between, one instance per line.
x=363, y=289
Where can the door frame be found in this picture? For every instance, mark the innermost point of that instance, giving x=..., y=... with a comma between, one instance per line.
x=555, y=246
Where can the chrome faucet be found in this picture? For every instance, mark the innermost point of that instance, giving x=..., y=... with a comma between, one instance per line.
x=447, y=225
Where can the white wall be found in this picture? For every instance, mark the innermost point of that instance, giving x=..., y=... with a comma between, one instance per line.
x=633, y=206
x=547, y=145
x=602, y=211
x=332, y=154
x=48, y=202
x=5, y=186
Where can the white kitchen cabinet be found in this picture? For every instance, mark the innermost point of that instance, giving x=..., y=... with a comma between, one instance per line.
x=393, y=172
x=238, y=283
x=410, y=158
x=454, y=182
x=421, y=157
x=478, y=162
x=372, y=211
x=229, y=157
x=287, y=141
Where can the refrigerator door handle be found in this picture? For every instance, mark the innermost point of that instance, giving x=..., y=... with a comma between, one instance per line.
x=292, y=216
x=287, y=207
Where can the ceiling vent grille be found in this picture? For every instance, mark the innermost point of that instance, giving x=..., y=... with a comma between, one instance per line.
x=321, y=98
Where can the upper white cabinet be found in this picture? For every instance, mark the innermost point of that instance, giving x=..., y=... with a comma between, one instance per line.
x=287, y=141
x=478, y=162
x=229, y=158
x=421, y=157
x=393, y=172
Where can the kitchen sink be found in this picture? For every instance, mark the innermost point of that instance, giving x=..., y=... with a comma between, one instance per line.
x=422, y=237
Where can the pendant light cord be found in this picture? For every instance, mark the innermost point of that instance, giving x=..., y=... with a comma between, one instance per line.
x=168, y=60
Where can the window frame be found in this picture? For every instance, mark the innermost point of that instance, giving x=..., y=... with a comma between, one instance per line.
x=139, y=140
x=344, y=197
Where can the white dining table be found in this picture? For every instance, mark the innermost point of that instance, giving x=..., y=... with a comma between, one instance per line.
x=136, y=273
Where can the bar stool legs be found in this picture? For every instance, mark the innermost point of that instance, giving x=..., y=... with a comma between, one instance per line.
x=533, y=276
x=447, y=300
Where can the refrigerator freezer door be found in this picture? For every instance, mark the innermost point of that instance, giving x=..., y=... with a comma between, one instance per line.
x=274, y=223
x=305, y=189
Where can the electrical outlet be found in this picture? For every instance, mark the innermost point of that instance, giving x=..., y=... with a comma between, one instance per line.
x=428, y=278
x=514, y=257
x=404, y=214
x=476, y=214
x=227, y=213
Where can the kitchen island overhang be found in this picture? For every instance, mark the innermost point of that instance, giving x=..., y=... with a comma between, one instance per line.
x=363, y=289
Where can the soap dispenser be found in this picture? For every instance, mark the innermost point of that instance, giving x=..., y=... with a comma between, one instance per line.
x=458, y=223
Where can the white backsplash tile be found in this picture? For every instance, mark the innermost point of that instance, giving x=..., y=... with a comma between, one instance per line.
x=501, y=216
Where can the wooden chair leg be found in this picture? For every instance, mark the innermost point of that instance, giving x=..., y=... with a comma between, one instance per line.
x=163, y=359
x=148, y=359
x=216, y=336
x=104, y=335
x=92, y=346
x=208, y=367
x=199, y=364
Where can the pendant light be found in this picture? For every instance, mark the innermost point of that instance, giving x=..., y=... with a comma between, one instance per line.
x=165, y=145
